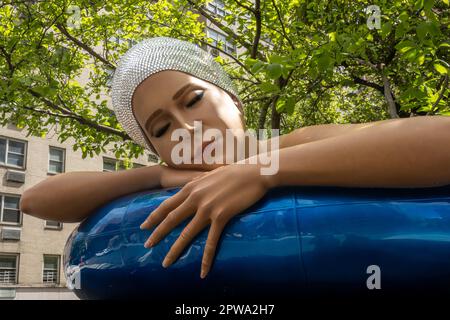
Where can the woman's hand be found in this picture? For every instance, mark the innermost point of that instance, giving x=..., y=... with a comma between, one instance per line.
x=213, y=198
x=170, y=177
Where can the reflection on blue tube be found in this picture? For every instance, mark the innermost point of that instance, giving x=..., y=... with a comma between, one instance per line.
x=296, y=240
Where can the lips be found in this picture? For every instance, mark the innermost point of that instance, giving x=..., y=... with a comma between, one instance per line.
x=202, y=149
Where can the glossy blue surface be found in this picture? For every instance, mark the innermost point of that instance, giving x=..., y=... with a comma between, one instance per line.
x=296, y=240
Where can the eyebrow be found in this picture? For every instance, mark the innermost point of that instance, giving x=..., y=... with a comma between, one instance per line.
x=159, y=111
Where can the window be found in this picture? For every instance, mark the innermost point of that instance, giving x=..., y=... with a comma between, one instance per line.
x=51, y=269
x=8, y=268
x=109, y=77
x=53, y=225
x=109, y=165
x=152, y=158
x=112, y=165
x=119, y=40
x=220, y=41
x=9, y=210
x=115, y=165
x=216, y=7
x=56, y=160
x=12, y=152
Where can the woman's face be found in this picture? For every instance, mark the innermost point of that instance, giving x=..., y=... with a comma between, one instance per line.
x=170, y=100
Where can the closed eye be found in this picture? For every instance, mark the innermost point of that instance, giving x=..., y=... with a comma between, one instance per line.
x=197, y=98
x=163, y=130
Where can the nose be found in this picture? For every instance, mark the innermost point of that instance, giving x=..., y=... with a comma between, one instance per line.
x=191, y=125
x=188, y=125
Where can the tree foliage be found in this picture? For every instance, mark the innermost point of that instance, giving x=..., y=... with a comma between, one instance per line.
x=300, y=62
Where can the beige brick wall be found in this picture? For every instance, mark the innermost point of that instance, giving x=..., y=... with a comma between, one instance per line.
x=36, y=240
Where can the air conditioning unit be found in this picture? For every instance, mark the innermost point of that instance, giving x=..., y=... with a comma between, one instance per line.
x=214, y=52
x=7, y=293
x=15, y=176
x=10, y=233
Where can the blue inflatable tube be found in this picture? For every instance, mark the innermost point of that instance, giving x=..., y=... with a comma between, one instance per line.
x=296, y=240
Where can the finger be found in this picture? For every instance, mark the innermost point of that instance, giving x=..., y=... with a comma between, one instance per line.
x=210, y=247
x=194, y=227
x=163, y=209
x=174, y=218
x=198, y=176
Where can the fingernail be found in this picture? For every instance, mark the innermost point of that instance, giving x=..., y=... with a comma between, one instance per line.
x=166, y=263
x=203, y=274
x=148, y=244
x=144, y=224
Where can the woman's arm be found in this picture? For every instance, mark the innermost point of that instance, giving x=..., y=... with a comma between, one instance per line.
x=408, y=152
x=319, y=132
x=71, y=196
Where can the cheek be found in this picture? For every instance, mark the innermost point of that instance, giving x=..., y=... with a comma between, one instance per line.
x=224, y=113
x=230, y=118
x=164, y=149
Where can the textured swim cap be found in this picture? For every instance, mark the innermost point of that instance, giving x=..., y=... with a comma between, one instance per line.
x=151, y=56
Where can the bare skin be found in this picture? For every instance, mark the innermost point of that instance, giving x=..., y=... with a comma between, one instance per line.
x=412, y=152
x=202, y=101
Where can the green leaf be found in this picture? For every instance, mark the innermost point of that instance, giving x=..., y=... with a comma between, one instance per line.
x=325, y=62
x=440, y=68
x=332, y=36
x=420, y=59
x=401, y=29
x=425, y=28
x=404, y=16
x=422, y=31
x=268, y=87
x=411, y=55
x=386, y=29
x=290, y=105
x=418, y=4
x=280, y=105
x=428, y=4
x=276, y=59
x=274, y=70
x=257, y=66
x=405, y=46
x=250, y=61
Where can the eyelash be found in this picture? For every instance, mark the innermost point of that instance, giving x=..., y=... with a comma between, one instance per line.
x=161, y=131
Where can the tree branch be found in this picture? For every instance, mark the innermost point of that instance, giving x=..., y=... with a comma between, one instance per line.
x=225, y=29
x=282, y=25
x=257, y=13
x=444, y=88
x=80, y=119
x=84, y=46
x=389, y=95
x=263, y=114
x=8, y=60
x=367, y=83
x=244, y=6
